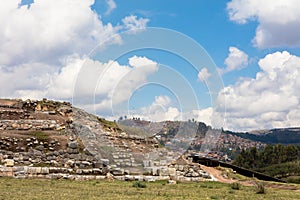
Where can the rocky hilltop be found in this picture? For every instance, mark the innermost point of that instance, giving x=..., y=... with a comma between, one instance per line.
x=50, y=139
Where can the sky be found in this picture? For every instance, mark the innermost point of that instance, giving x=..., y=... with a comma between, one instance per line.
x=233, y=64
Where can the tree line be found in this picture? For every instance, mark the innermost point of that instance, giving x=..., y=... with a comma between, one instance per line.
x=276, y=160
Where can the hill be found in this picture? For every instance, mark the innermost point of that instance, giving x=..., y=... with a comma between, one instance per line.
x=273, y=136
x=49, y=139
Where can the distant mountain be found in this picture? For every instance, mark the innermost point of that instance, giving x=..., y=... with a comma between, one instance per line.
x=273, y=136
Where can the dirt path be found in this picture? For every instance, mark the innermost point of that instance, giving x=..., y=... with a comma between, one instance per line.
x=217, y=174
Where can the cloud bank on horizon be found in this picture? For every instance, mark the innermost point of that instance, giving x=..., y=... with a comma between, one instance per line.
x=44, y=45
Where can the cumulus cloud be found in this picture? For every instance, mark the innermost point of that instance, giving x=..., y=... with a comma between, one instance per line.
x=269, y=100
x=47, y=31
x=134, y=24
x=236, y=60
x=203, y=74
x=278, y=21
x=137, y=72
x=203, y=115
x=25, y=80
x=44, y=45
x=111, y=6
x=110, y=83
x=161, y=109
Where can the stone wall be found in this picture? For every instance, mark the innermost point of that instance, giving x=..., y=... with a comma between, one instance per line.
x=34, y=115
x=33, y=125
x=49, y=153
x=87, y=174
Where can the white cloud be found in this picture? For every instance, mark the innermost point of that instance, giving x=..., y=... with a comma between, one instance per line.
x=270, y=100
x=236, y=60
x=47, y=32
x=135, y=77
x=111, y=83
x=63, y=81
x=133, y=24
x=44, y=46
x=203, y=74
x=137, y=61
x=204, y=115
x=278, y=21
x=25, y=80
x=160, y=110
x=117, y=82
x=111, y=6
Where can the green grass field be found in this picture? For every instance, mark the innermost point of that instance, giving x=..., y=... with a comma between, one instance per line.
x=66, y=189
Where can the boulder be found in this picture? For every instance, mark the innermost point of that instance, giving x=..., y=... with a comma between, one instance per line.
x=72, y=151
x=105, y=162
x=163, y=171
x=117, y=172
x=172, y=182
x=172, y=171
x=9, y=162
x=73, y=145
x=109, y=176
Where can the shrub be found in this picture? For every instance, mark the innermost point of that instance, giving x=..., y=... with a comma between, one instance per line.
x=260, y=187
x=214, y=197
x=139, y=184
x=235, y=186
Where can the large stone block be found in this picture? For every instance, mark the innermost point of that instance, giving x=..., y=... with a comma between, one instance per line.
x=9, y=162
x=163, y=171
x=172, y=171
x=73, y=145
x=117, y=172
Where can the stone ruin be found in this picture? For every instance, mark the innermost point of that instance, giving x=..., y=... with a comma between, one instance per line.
x=49, y=139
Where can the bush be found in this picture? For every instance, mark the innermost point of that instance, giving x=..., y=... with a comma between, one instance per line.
x=260, y=188
x=139, y=184
x=235, y=186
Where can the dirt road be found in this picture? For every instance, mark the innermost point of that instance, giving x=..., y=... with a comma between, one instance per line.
x=217, y=174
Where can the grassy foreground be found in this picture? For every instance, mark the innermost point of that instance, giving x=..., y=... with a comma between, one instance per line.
x=65, y=189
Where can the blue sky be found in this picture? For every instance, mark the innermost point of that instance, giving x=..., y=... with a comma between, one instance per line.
x=50, y=50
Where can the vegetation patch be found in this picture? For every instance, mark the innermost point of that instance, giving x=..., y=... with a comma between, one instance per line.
x=235, y=186
x=293, y=179
x=41, y=136
x=260, y=187
x=139, y=184
x=278, y=160
x=109, y=124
